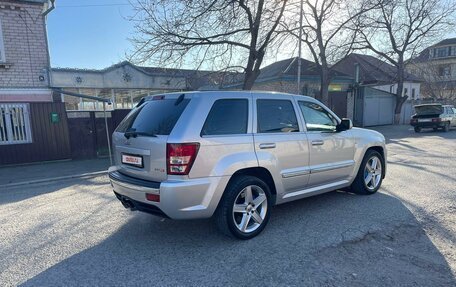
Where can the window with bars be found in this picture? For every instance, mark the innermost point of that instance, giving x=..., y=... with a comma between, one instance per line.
x=14, y=124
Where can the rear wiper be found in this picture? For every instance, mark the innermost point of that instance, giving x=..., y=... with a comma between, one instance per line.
x=134, y=134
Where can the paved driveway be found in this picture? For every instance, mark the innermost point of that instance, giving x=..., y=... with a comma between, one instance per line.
x=74, y=232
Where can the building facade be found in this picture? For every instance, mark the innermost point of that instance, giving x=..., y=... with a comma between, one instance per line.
x=377, y=74
x=24, y=57
x=373, y=100
x=32, y=126
x=281, y=76
x=437, y=66
x=125, y=84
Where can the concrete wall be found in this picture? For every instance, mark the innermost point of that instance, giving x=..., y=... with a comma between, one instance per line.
x=407, y=85
x=26, y=51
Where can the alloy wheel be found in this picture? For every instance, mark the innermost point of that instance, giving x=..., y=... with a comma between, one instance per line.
x=250, y=208
x=373, y=173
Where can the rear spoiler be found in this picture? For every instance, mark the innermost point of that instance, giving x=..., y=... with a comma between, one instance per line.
x=141, y=102
x=178, y=100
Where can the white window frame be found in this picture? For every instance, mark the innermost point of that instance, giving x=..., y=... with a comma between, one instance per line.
x=15, y=124
x=2, y=46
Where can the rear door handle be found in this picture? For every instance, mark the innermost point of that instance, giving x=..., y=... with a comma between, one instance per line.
x=318, y=142
x=267, y=145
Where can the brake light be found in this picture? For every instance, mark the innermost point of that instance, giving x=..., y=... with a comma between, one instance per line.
x=153, y=197
x=436, y=120
x=413, y=120
x=180, y=157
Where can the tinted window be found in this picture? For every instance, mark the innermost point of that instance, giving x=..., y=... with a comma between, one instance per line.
x=276, y=116
x=154, y=117
x=317, y=118
x=227, y=117
x=429, y=110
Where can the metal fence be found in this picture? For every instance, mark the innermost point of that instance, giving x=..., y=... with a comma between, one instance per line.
x=14, y=124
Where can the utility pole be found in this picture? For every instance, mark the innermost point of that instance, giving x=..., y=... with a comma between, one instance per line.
x=300, y=46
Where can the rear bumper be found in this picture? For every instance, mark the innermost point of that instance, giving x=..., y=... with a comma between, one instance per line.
x=179, y=199
x=138, y=205
x=428, y=124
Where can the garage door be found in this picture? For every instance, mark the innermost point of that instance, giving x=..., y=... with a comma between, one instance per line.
x=378, y=108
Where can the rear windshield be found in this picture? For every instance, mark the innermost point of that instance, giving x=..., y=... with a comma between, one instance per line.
x=156, y=117
x=429, y=110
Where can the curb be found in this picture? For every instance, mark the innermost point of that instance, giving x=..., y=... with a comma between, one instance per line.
x=90, y=174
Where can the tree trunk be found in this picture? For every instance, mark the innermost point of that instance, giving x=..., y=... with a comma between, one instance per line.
x=253, y=69
x=324, y=86
x=397, y=111
x=249, y=79
x=400, y=100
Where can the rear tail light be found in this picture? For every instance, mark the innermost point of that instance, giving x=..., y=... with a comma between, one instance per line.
x=413, y=120
x=153, y=197
x=180, y=157
x=436, y=120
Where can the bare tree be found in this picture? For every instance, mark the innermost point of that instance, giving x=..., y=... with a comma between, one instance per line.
x=325, y=32
x=399, y=28
x=228, y=35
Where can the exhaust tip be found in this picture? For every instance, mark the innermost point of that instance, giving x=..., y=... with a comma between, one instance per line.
x=127, y=203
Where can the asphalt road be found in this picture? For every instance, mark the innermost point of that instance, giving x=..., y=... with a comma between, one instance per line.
x=75, y=232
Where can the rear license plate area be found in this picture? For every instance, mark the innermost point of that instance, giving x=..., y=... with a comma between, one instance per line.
x=132, y=160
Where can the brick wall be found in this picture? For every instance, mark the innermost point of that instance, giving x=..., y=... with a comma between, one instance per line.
x=26, y=51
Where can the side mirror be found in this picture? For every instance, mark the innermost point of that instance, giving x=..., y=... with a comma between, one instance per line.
x=345, y=124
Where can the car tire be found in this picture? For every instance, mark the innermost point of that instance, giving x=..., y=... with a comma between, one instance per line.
x=446, y=127
x=363, y=184
x=238, y=215
x=417, y=129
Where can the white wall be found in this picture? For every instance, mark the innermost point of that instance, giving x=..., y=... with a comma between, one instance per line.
x=115, y=78
x=407, y=85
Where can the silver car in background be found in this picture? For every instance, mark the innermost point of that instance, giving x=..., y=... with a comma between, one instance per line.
x=233, y=155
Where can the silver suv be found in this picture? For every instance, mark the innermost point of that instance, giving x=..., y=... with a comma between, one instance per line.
x=233, y=155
